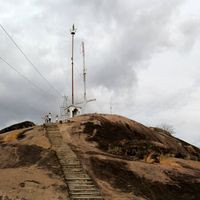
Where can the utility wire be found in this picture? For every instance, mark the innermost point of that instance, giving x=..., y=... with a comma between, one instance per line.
x=30, y=62
x=24, y=77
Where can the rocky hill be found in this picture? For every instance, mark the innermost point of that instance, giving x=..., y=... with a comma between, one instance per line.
x=125, y=159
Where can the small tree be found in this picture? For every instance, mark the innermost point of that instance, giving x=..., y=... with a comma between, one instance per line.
x=168, y=128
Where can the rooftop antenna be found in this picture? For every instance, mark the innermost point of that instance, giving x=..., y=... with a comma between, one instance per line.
x=73, y=31
x=84, y=79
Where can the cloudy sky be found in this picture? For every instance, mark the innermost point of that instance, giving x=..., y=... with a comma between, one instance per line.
x=142, y=58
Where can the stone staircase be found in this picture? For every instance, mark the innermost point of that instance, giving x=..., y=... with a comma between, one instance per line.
x=80, y=185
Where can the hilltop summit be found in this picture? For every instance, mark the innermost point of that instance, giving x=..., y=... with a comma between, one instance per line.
x=125, y=159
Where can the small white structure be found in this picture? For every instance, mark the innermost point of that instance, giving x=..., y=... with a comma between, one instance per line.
x=72, y=111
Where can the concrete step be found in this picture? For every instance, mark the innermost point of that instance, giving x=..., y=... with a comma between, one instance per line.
x=87, y=198
x=67, y=160
x=57, y=142
x=61, y=147
x=54, y=134
x=88, y=194
x=69, y=163
x=79, y=179
x=71, y=166
x=81, y=186
x=79, y=182
x=83, y=190
x=76, y=176
x=56, y=137
x=74, y=166
x=75, y=169
x=52, y=130
x=85, y=193
x=74, y=172
x=62, y=152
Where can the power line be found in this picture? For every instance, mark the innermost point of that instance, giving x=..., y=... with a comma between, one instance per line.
x=24, y=77
x=29, y=61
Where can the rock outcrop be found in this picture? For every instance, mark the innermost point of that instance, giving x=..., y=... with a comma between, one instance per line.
x=120, y=159
x=20, y=125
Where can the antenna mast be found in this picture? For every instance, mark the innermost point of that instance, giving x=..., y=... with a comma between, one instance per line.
x=110, y=108
x=85, y=100
x=84, y=73
x=73, y=31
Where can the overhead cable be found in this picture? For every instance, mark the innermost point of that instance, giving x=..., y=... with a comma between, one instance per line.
x=29, y=61
x=24, y=77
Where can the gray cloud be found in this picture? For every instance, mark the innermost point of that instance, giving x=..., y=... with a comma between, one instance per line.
x=190, y=30
x=121, y=39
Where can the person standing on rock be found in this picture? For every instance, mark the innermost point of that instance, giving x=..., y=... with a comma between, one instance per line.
x=46, y=119
x=49, y=116
x=56, y=118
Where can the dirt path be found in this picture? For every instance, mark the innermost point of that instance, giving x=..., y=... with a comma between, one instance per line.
x=80, y=185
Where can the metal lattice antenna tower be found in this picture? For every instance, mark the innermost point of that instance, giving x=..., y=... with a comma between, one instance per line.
x=85, y=101
x=73, y=31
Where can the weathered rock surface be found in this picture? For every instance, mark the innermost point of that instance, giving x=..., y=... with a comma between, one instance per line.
x=131, y=161
x=124, y=160
x=29, y=169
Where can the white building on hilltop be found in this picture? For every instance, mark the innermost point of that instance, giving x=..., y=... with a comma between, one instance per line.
x=72, y=111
